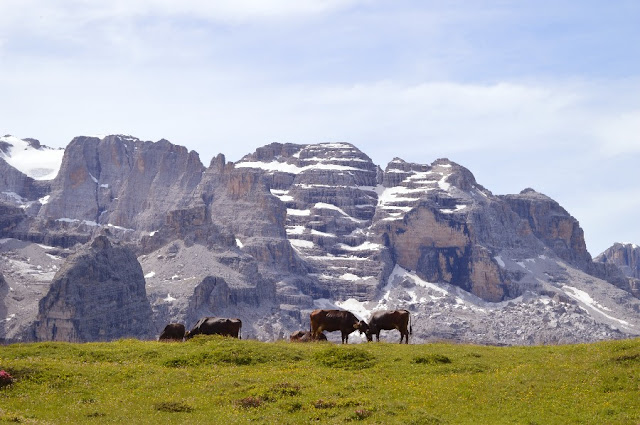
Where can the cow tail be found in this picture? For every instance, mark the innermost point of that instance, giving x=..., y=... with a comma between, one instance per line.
x=410, y=327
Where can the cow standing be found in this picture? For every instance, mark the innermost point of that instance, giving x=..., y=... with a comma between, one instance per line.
x=172, y=332
x=335, y=320
x=389, y=320
x=216, y=326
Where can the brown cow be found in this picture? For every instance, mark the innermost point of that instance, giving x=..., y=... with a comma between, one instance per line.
x=216, y=326
x=388, y=320
x=306, y=336
x=336, y=320
x=172, y=332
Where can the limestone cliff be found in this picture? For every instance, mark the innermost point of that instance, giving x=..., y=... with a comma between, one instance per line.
x=98, y=295
x=626, y=257
x=552, y=225
x=286, y=229
x=122, y=182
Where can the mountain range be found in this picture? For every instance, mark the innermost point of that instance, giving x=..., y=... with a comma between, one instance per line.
x=115, y=237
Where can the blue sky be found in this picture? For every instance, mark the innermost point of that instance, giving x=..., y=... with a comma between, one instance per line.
x=542, y=94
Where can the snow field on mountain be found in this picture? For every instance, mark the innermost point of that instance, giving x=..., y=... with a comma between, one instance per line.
x=39, y=164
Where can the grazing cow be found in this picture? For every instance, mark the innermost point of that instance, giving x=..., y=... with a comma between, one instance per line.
x=388, y=320
x=172, y=332
x=336, y=320
x=306, y=336
x=216, y=326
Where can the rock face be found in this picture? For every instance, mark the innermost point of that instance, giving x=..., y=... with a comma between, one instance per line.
x=626, y=257
x=441, y=224
x=24, y=183
x=328, y=192
x=98, y=295
x=552, y=225
x=122, y=182
x=287, y=229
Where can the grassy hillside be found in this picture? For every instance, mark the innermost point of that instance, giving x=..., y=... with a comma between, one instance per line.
x=219, y=380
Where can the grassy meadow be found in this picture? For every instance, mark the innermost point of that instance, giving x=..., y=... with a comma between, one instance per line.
x=226, y=381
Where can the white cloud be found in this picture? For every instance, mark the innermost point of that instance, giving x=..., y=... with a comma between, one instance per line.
x=75, y=13
x=620, y=133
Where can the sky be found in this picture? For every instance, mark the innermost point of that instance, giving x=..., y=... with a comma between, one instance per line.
x=542, y=94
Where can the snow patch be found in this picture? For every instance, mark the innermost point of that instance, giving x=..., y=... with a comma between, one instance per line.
x=458, y=208
x=149, y=275
x=499, y=261
x=283, y=195
x=284, y=167
x=350, y=276
x=113, y=226
x=294, y=230
x=585, y=298
x=301, y=243
x=356, y=307
x=442, y=183
x=39, y=164
x=239, y=243
x=366, y=246
x=291, y=211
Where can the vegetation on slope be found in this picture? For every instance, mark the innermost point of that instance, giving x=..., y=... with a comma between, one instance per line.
x=221, y=380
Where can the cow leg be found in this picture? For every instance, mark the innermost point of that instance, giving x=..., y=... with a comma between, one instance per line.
x=378, y=336
x=314, y=334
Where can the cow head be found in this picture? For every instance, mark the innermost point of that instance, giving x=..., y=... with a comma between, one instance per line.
x=362, y=327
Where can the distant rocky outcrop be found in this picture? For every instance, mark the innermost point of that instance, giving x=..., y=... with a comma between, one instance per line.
x=98, y=295
x=122, y=182
x=14, y=181
x=438, y=221
x=626, y=257
x=328, y=198
x=10, y=217
x=552, y=225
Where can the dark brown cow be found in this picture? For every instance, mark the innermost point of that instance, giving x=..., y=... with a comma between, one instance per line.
x=216, y=326
x=389, y=320
x=172, y=332
x=336, y=320
x=306, y=336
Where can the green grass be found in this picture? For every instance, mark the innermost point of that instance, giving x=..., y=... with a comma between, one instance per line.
x=227, y=381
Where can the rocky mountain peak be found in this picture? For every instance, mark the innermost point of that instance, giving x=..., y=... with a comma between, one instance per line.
x=288, y=228
x=97, y=295
x=624, y=255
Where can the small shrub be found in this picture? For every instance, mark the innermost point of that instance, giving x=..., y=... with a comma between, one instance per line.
x=96, y=415
x=294, y=407
x=361, y=414
x=431, y=359
x=285, y=389
x=627, y=359
x=321, y=404
x=249, y=402
x=5, y=379
x=173, y=406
